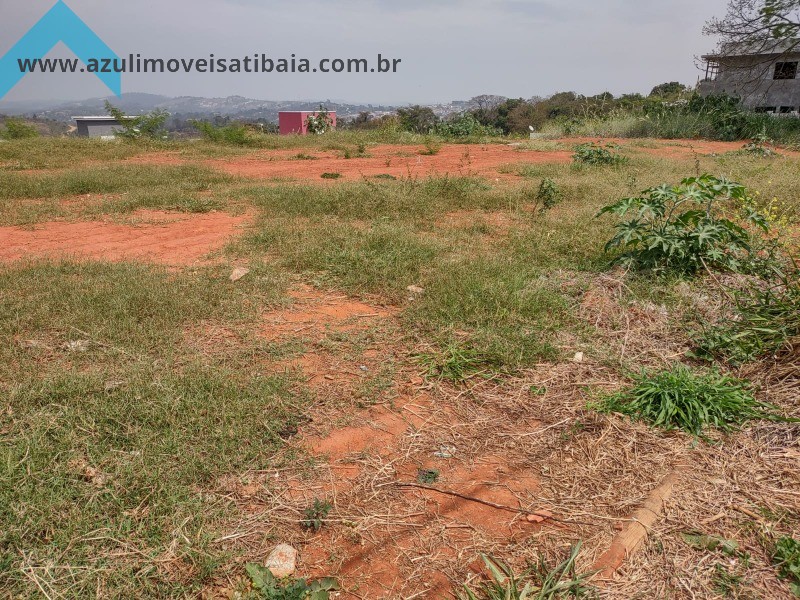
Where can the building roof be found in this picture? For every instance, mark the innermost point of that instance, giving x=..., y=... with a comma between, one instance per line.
x=97, y=118
x=766, y=47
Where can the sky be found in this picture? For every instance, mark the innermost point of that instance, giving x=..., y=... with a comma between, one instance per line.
x=450, y=49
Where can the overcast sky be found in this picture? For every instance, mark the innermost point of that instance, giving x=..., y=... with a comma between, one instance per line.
x=450, y=49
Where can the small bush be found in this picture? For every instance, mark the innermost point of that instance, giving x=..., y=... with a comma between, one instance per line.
x=432, y=148
x=682, y=399
x=17, y=129
x=597, y=154
x=549, y=194
x=319, y=123
x=464, y=125
x=787, y=559
x=234, y=134
x=331, y=175
x=686, y=227
x=149, y=126
x=759, y=146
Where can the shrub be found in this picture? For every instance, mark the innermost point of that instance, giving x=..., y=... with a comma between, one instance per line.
x=234, y=134
x=432, y=148
x=319, y=123
x=17, y=129
x=331, y=175
x=464, y=125
x=549, y=194
x=759, y=146
x=686, y=227
x=147, y=126
x=680, y=398
x=766, y=319
x=597, y=154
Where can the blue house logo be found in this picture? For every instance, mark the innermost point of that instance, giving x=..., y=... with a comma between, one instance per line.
x=60, y=24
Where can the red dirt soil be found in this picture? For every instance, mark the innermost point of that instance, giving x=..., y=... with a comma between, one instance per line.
x=398, y=161
x=407, y=161
x=385, y=540
x=173, y=239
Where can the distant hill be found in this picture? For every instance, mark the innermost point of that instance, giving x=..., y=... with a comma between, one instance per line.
x=236, y=107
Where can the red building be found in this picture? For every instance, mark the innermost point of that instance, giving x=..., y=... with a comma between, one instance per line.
x=297, y=121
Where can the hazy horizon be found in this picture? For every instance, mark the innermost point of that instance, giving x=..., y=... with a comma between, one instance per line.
x=454, y=50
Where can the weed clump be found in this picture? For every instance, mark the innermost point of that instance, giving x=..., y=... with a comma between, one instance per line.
x=314, y=515
x=787, y=559
x=541, y=581
x=234, y=134
x=766, y=319
x=267, y=586
x=681, y=398
x=548, y=195
x=598, y=154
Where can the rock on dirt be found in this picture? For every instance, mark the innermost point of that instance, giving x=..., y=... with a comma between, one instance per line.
x=282, y=561
x=238, y=273
x=578, y=358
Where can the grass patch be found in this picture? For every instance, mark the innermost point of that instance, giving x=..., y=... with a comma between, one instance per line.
x=683, y=399
x=129, y=187
x=116, y=430
x=540, y=582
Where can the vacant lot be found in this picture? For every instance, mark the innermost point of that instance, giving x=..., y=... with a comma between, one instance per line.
x=404, y=373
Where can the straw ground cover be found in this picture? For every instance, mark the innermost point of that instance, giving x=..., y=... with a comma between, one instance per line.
x=133, y=392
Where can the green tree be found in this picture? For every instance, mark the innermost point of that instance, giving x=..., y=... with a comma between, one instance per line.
x=147, y=126
x=758, y=25
x=417, y=119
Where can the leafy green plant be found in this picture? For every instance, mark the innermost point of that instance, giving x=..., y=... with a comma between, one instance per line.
x=234, y=134
x=149, y=126
x=548, y=195
x=319, y=123
x=686, y=227
x=787, y=558
x=314, y=515
x=539, y=582
x=428, y=476
x=759, y=146
x=331, y=175
x=432, y=148
x=711, y=543
x=17, y=129
x=681, y=398
x=269, y=587
x=598, y=154
x=766, y=319
x=304, y=156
